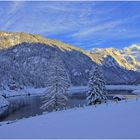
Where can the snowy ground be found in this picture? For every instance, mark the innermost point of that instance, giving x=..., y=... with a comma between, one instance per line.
x=23, y=92
x=123, y=87
x=108, y=87
x=71, y=90
x=3, y=104
x=115, y=120
x=137, y=91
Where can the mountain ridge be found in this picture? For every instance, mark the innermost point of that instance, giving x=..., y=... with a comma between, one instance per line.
x=124, y=59
x=24, y=59
x=36, y=38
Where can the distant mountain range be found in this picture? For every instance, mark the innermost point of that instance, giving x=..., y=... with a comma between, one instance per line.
x=128, y=58
x=24, y=59
x=133, y=51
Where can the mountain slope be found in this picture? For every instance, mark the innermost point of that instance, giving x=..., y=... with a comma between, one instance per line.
x=114, y=53
x=24, y=59
x=9, y=39
x=133, y=50
x=132, y=54
x=127, y=58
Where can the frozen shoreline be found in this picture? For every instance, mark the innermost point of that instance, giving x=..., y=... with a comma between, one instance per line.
x=75, y=89
x=72, y=90
x=132, y=88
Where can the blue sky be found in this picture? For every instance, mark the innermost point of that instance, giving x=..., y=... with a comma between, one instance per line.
x=83, y=24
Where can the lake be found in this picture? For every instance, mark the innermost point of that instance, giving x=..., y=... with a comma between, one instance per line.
x=30, y=105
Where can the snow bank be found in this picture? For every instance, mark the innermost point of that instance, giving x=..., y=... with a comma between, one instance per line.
x=3, y=102
x=109, y=87
x=105, y=121
x=136, y=91
x=35, y=91
x=77, y=89
x=71, y=90
x=122, y=87
x=3, y=105
x=23, y=92
x=12, y=93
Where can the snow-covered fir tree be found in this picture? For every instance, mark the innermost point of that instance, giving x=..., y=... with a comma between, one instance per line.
x=56, y=94
x=97, y=90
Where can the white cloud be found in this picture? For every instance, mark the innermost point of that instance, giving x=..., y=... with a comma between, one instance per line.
x=15, y=5
x=53, y=18
x=9, y=15
x=98, y=28
x=110, y=27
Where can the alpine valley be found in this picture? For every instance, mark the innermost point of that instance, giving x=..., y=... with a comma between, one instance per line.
x=24, y=59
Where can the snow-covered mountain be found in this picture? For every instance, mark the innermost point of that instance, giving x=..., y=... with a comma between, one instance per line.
x=132, y=54
x=108, y=55
x=116, y=60
x=133, y=50
x=24, y=59
x=128, y=57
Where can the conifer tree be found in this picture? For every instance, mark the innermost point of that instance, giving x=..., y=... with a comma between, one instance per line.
x=56, y=94
x=97, y=90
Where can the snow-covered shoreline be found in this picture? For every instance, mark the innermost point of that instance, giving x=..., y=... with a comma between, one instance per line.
x=74, y=89
x=3, y=102
x=3, y=105
x=15, y=95
x=133, y=88
x=103, y=121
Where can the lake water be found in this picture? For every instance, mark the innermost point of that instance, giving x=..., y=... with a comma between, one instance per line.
x=31, y=105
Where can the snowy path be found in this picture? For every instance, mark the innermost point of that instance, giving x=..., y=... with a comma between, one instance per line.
x=113, y=121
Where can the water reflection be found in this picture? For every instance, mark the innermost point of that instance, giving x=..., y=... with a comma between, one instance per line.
x=30, y=105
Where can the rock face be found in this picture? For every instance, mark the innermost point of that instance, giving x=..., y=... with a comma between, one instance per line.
x=24, y=60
